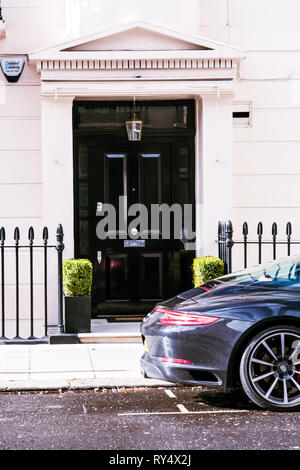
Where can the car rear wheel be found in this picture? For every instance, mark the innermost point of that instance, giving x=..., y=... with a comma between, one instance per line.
x=270, y=368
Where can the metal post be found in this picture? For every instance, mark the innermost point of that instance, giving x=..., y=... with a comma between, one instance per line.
x=245, y=234
x=259, y=235
x=228, y=232
x=31, y=238
x=225, y=244
x=17, y=240
x=220, y=240
x=60, y=248
x=274, y=234
x=288, y=234
x=45, y=239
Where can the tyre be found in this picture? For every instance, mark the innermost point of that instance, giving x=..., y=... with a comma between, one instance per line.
x=270, y=368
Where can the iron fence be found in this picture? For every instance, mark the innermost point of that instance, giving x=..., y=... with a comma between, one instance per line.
x=226, y=242
x=30, y=249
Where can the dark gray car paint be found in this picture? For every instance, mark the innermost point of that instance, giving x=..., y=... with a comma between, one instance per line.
x=242, y=310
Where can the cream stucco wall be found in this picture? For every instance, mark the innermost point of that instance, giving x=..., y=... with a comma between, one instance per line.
x=266, y=164
x=29, y=24
x=266, y=156
x=266, y=167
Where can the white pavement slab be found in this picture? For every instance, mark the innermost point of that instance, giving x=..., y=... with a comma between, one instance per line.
x=45, y=366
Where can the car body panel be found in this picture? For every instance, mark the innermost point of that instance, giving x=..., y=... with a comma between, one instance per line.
x=241, y=307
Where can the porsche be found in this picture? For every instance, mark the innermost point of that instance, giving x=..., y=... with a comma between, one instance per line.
x=239, y=331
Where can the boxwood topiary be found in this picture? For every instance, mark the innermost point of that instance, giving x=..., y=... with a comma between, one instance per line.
x=77, y=277
x=206, y=268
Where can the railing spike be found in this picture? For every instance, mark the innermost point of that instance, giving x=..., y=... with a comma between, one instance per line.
x=45, y=234
x=274, y=233
x=289, y=229
x=274, y=229
x=2, y=234
x=245, y=228
x=17, y=234
x=259, y=229
x=228, y=226
x=31, y=234
x=59, y=233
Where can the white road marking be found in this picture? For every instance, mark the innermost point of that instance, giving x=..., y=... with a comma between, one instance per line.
x=182, y=408
x=50, y=407
x=180, y=412
x=170, y=394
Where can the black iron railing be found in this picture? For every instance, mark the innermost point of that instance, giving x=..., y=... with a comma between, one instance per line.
x=30, y=249
x=226, y=242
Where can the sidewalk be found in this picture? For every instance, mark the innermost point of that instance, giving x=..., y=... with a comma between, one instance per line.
x=112, y=361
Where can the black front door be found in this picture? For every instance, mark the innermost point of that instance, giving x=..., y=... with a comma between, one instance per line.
x=131, y=268
x=139, y=257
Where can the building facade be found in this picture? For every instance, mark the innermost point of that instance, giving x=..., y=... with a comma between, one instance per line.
x=217, y=85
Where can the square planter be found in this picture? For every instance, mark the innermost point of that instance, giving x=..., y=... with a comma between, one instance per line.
x=78, y=314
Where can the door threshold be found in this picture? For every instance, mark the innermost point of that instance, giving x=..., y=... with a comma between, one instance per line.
x=120, y=319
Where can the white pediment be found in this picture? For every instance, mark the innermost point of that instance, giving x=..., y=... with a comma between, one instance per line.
x=138, y=40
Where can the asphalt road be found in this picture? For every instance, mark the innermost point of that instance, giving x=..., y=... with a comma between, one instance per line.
x=142, y=419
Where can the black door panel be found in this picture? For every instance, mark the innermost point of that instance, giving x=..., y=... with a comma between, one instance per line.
x=132, y=273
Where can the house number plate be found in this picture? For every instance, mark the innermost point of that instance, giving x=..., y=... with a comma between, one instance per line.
x=134, y=243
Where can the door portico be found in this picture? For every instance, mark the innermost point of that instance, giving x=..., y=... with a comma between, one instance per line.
x=148, y=63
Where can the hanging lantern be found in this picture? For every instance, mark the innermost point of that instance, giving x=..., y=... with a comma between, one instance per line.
x=134, y=126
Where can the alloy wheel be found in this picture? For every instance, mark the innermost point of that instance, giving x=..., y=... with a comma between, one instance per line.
x=270, y=369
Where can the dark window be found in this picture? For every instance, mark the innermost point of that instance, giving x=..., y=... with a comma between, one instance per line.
x=112, y=115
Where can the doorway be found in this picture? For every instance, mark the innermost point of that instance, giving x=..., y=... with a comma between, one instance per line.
x=135, y=265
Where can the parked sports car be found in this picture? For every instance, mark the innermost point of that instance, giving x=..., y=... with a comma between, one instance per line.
x=240, y=330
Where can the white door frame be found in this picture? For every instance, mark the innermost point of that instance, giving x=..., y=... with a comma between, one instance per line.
x=213, y=156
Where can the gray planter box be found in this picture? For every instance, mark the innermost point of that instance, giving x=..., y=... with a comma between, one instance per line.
x=78, y=314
